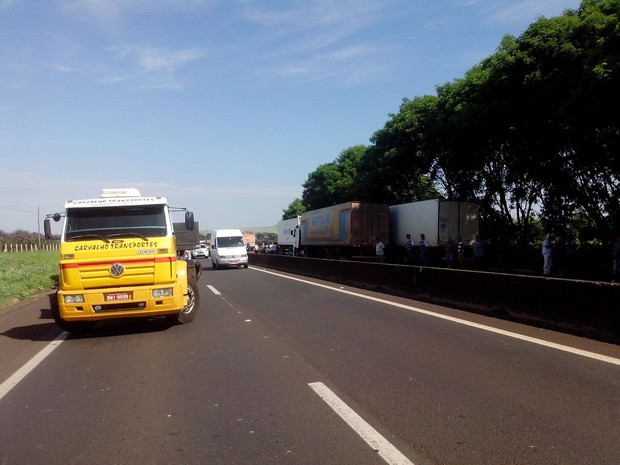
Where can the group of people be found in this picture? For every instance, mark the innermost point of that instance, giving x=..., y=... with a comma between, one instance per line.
x=417, y=253
x=413, y=256
x=556, y=254
x=419, y=256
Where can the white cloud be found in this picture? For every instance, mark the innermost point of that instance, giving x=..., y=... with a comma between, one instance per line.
x=101, y=10
x=151, y=67
x=314, y=41
x=152, y=59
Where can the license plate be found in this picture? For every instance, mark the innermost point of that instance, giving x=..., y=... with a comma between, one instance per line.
x=114, y=296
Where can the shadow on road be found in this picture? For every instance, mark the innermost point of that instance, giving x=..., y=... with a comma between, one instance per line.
x=124, y=327
x=38, y=332
x=49, y=331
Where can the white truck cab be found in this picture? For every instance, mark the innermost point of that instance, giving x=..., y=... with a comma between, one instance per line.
x=228, y=248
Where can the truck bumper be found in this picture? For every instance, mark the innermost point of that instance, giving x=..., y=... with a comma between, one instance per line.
x=125, y=302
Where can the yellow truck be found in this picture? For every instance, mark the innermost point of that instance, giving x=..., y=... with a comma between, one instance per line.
x=120, y=258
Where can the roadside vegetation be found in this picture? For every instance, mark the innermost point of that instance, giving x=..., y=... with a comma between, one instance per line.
x=24, y=274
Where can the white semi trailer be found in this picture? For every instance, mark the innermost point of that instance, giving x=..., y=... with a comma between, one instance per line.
x=439, y=220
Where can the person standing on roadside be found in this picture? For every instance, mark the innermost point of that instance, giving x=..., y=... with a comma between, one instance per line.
x=615, y=257
x=409, y=254
x=380, y=250
x=449, y=252
x=478, y=253
x=460, y=250
x=547, y=253
x=424, y=245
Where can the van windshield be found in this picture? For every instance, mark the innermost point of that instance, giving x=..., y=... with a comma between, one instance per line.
x=230, y=241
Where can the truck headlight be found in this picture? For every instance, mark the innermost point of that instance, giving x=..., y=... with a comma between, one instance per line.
x=74, y=299
x=158, y=293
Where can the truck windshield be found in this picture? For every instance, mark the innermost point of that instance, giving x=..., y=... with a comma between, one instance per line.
x=234, y=241
x=101, y=223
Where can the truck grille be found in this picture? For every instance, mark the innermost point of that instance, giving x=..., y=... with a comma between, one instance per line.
x=97, y=275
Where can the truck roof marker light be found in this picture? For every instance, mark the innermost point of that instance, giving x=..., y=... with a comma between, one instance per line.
x=121, y=192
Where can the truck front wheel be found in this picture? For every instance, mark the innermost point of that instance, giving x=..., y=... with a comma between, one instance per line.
x=193, y=300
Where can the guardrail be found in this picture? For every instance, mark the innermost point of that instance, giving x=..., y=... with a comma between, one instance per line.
x=585, y=308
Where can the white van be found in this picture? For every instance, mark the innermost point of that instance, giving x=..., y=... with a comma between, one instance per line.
x=228, y=248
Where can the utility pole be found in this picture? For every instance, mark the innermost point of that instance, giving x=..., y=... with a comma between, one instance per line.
x=38, y=227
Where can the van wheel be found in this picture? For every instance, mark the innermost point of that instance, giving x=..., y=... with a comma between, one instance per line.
x=193, y=301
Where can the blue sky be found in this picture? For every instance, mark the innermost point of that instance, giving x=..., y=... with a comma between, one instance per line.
x=222, y=106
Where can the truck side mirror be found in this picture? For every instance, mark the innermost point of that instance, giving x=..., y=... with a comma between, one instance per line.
x=47, y=228
x=189, y=221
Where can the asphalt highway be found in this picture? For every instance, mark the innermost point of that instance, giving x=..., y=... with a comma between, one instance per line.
x=278, y=369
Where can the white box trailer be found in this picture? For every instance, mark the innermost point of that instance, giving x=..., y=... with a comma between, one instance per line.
x=437, y=219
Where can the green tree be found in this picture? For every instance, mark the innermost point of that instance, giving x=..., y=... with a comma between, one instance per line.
x=558, y=88
x=335, y=182
x=395, y=168
x=534, y=125
x=295, y=209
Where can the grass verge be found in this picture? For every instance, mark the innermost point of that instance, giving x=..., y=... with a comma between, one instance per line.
x=24, y=273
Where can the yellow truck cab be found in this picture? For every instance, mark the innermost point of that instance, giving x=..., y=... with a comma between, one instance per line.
x=119, y=259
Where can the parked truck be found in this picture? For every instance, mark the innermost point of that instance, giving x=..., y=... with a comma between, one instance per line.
x=120, y=258
x=250, y=241
x=439, y=220
x=347, y=230
x=288, y=232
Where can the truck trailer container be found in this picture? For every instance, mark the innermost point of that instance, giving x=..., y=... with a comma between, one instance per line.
x=439, y=220
x=343, y=231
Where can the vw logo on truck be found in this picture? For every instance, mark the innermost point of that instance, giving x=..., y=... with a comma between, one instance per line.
x=117, y=270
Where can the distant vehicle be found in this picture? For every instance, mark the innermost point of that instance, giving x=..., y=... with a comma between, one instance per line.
x=287, y=236
x=228, y=248
x=201, y=251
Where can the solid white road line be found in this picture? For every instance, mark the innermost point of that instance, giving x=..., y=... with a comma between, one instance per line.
x=214, y=290
x=20, y=374
x=377, y=442
x=533, y=340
